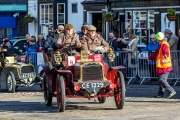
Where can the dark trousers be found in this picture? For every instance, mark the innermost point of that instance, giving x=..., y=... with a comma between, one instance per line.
x=163, y=84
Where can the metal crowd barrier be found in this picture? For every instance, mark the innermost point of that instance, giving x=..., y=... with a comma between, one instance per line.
x=136, y=65
x=128, y=60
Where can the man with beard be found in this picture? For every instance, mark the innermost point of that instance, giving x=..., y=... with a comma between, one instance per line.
x=69, y=35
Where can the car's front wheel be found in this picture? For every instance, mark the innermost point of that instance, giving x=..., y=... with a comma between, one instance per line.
x=11, y=82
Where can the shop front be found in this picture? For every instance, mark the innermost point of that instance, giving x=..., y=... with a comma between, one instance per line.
x=144, y=17
x=11, y=18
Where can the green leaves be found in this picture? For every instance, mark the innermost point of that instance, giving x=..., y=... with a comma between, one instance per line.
x=29, y=16
x=171, y=12
x=109, y=14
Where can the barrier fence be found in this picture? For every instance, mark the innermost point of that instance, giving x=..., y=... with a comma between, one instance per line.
x=137, y=66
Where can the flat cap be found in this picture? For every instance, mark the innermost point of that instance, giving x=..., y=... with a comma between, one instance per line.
x=167, y=31
x=91, y=27
x=69, y=26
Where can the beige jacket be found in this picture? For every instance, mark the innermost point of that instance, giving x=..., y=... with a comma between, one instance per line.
x=132, y=49
x=64, y=38
x=88, y=44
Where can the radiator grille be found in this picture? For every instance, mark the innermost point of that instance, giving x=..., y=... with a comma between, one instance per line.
x=92, y=72
x=27, y=69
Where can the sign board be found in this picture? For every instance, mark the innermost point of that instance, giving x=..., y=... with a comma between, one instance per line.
x=71, y=60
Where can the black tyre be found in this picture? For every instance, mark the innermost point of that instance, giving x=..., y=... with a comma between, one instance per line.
x=60, y=89
x=11, y=82
x=46, y=91
x=102, y=99
x=42, y=74
x=119, y=92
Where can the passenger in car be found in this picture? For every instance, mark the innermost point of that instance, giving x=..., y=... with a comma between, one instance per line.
x=93, y=42
x=69, y=35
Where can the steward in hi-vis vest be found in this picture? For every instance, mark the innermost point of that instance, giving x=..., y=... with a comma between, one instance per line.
x=163, y=61
x=163, y=66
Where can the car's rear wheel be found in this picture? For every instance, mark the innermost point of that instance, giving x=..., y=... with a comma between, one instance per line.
x=119, y=91
x=11, y=82
x=102, y=99
x=60, y=89
x=47, y=93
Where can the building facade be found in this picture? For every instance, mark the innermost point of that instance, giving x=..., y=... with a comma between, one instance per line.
x=50, y=13
x=12, y=13
x=142, y=17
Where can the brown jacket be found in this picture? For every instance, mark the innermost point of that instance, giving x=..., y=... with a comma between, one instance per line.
x=64, y=38
x=89, y=44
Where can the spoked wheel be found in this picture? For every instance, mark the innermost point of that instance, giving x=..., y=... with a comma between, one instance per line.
x=60, y=89
x=102, y=99
x=11, y=82
x=119, y=91
x=47, y=93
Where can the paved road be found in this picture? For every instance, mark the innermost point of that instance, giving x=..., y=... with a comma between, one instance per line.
x=28, y=103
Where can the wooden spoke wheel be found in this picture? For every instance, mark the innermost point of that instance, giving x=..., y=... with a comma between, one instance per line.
x=46, y=91
x=119, y=91
x=60, y=89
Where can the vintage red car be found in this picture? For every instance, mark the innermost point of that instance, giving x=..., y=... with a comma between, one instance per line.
x=83, y=76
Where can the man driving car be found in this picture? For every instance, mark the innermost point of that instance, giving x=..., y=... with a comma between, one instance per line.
x=9, y=50
x=66, y=37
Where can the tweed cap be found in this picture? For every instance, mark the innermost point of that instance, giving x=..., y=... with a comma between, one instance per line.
x=91, y=27
x=69, y=26
x=85, y=25
x=167, y=31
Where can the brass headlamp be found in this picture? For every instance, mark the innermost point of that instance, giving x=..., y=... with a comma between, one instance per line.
x=111, y=55
x=57, y=57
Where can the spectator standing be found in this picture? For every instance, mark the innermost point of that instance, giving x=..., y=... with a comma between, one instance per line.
x=172, y=39
x=49, y=32
x=40, y=42
x=27, y=42
x=152, y=46
x=32, y=47
x=131, y=55
x=163, y=66
x=113, y=41
x=126, y=38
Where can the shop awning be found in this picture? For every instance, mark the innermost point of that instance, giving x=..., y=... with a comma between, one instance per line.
x=7, y=22
x=12, y=8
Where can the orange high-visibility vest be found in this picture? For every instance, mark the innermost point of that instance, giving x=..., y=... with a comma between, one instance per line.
x=161, y=61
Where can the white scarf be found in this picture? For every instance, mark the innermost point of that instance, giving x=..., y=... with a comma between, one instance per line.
x=130, y=43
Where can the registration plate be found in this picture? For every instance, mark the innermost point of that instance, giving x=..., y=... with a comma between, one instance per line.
x=92, y=85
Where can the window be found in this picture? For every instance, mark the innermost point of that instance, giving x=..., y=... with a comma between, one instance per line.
x=46, y=17
x=60, y=13
x=74, y=8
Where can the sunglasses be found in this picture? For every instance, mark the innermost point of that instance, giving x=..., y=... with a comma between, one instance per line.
x=85, y=29
x=152, y=38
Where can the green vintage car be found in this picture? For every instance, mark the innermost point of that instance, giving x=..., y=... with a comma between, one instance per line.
x=15, y=74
